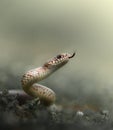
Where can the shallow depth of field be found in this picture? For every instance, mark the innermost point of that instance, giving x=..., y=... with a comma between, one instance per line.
x=33, y=31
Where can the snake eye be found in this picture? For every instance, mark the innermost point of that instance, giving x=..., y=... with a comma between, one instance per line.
x=59, y=56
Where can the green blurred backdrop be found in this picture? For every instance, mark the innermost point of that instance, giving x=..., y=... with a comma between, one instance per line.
x=32, y=31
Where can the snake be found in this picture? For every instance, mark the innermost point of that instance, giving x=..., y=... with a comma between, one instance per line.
x=31, y=78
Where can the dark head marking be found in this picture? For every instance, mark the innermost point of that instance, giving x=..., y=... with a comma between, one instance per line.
x=59, y=56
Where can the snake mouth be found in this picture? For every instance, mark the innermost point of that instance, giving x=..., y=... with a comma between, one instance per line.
x=72, y=55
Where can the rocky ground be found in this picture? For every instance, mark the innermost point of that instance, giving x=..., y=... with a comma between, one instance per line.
x=33, y=115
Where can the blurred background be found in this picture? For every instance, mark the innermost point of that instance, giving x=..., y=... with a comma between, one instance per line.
x=33, y=31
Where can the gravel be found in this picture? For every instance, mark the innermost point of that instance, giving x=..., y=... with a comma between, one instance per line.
x=34, y=115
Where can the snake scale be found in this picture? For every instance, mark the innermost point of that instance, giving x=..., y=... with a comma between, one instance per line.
x=31, y=77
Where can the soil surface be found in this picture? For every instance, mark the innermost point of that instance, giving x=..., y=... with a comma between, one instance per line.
x=34, y=115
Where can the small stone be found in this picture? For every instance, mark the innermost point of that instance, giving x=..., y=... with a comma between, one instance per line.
x=80, y=113
x=52, y=108
x=105, y=112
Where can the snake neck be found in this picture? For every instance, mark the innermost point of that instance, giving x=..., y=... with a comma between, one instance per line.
x=38, y=74
x=53, y=68
x=35, y=75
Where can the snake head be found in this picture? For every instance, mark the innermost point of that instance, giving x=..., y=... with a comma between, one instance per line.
x=59, y=60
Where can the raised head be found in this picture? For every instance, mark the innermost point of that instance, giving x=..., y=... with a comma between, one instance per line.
x=59, y=60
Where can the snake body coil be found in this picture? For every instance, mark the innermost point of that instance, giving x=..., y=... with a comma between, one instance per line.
x=30, y=78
